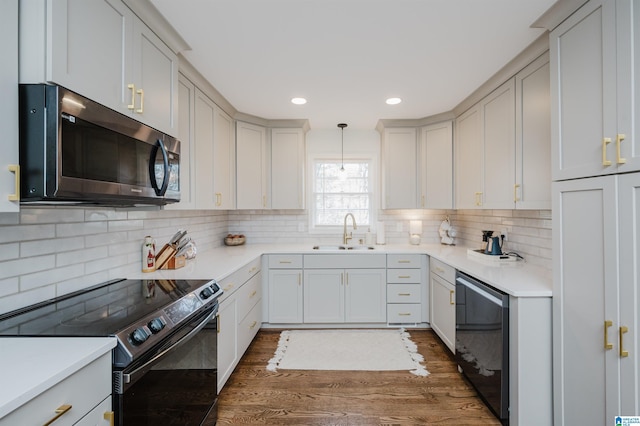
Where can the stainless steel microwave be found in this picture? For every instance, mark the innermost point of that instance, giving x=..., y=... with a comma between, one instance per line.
x=76, y=151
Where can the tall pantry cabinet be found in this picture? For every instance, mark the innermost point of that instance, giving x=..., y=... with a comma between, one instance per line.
x=9, y=169
x=596, y=212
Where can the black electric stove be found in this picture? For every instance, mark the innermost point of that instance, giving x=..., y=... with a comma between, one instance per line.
x=139, y=313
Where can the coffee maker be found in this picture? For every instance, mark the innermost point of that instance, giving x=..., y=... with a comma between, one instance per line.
x=491, y=245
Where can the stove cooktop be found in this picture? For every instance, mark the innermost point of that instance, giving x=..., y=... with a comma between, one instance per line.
x=131, y=310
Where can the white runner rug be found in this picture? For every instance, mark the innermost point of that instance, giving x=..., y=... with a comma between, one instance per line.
x=368, y=350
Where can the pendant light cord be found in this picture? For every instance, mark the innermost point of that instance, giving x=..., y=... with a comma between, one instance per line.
x=342, y=126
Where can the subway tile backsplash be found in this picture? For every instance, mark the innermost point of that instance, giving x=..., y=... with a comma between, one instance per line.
x=50, y=251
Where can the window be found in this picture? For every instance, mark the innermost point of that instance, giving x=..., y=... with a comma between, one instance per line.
x=336, y=193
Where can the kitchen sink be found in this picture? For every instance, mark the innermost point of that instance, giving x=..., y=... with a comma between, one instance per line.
x=334, y=248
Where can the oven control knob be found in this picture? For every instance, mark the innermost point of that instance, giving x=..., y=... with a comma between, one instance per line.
x=206, y=293
x=156, y=325
x=139, y=336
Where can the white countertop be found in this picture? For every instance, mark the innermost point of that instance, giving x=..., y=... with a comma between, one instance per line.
x=518, y=279
x=31, y=365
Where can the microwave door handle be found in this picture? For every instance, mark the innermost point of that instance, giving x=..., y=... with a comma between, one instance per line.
x=152, y=168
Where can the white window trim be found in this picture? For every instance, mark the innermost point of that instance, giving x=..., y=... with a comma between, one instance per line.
x=374, y=184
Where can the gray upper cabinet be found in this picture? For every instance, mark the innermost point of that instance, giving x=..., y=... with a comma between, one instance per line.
x=469, y=150
x=435, y=153
x=287, y=168
x=533, y=137
x=399, y=168
x=595, y=90
x=102, y=50
x=9, y=171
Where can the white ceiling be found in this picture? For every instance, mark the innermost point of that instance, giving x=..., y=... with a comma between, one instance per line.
x=347, y=56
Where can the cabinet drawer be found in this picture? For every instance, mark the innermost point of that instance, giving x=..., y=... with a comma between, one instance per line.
x=248, y=328
x=403, y=260
x=403, y=313
x=403, y=276
x=233, y=282
x=97, y=416
x=403, y=293
x=82, y=390
x=285, y=261
x=445, y=271
x=248, y=295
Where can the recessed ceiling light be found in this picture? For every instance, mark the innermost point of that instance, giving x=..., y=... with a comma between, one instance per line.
x=298, y=101
x=393, y=101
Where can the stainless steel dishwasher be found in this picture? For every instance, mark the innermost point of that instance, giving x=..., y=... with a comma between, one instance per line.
x=482, y=341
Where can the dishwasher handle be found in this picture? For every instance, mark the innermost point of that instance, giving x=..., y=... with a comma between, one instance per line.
x=478, y=288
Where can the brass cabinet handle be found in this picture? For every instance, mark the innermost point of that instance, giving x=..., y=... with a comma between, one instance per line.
x=452, y=301
x=141, y=109
x=15, y=169
x=299, y=278
x=404, y=261
x=347, y=278
x=60, y=411
x=218, y=323
x=404, y=276
x=218, y=199
x=404, y=314
x=253, y=293
x=605, y=142
x=607, y=324
x=132, y=105
x=264, y=201
x=623, y=353
x=341, y=279
x=110, y=417
x=284, y=261
x=404, y=294
x=478, y=199
x=515, y=193
x=229, y=287
x=423, y=200
x=619, y=138
x=252, y=270
x=253, y=324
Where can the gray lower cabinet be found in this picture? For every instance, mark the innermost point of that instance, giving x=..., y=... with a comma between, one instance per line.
x=239, y=317
x=347, y=288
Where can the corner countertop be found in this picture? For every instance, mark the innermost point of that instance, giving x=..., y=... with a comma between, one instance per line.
x=35, y=364
x=518, y=279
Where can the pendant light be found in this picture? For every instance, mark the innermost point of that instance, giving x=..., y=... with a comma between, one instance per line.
x=342, y=126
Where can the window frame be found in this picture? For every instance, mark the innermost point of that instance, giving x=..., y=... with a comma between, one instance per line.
x=373, y=192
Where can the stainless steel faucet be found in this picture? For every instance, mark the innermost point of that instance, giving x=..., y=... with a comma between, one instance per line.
x=346, y=237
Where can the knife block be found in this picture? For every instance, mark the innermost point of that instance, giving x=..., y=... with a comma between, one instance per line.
x=175, y=262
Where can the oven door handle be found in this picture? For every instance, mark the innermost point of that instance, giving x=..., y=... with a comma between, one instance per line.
x=128, y=376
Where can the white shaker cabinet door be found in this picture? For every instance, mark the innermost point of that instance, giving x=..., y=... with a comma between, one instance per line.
x=155, y=73
x=251, y=167
x=469, y=160
x=324, y=295
x=227, y=339
x=498, y=130
x=583, y=87
x=285, y=296
x=532, y=189
x=436, y=166
x=365, y=295
x=90, y=50
x=287, y=169
x=9, y=172
x=399, y=169
x=223, y=160
x=585, y=301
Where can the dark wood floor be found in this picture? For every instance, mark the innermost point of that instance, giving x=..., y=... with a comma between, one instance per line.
x=254, y=395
